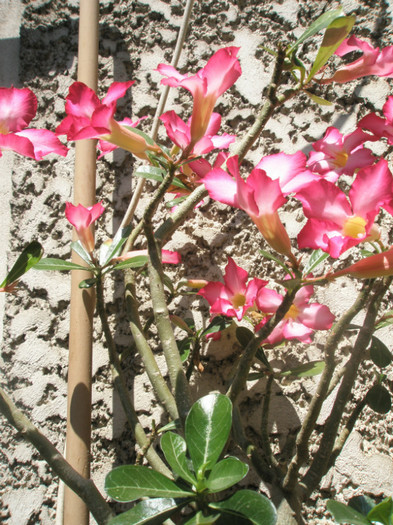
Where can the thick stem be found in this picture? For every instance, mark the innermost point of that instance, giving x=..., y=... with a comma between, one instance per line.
x=84, y=488
x=121, y=388
x=321, y=459
x=314, y=409
x=158, y=382
x=267, y=449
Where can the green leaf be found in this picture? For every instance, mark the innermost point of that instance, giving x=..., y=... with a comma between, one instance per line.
x=150, y=172
x=200, y=519
x=337, y=30
x=226, y=473
x=88, y=283
x=378, y=399
x=252, y=505
x=207, y=429
x=383, y=512
x=131, y=482
x=174, y=449
x=175, y=202
x=318, y=100
x=59, y=264
x=260, y=354
x=218, y=324
x=244, y=335
x=380, y=353
x=318, y=25
x=172, y=425
x=386, y=320
x=184, y=346
x=78, y=248
x=316, y=258
x=108, y=252
x=344, y=514
x=310, y=369
x=137, y=131
x=271, y=257
x=149, y=512
x=29, y=257
x=362, y=504
x=135, y=262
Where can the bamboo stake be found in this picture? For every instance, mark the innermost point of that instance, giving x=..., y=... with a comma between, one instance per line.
x=82, y=301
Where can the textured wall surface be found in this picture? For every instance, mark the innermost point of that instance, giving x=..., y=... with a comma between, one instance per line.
x=135, y=36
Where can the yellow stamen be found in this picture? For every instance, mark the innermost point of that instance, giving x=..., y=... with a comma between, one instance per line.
x=355, y=227
x=341, y=159
x=292, y=313
x=238, y=300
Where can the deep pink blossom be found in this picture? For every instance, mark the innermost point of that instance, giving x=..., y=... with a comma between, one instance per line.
x=380, y=127
x=180, y=134
x=301, y=319
x=372, y=62
x=336, y=154
x=378, y=265
x=259, y=196
x=220, y=73
x=168, y=256
x=235, y=296
x=17, y=109
x=89, y=118
x=82, y=218
x=337, y=223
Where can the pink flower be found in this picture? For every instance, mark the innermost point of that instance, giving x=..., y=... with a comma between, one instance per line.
x=81, y=218
x=372, y=62
x=378, y=265
x=234, y=297
x=336, y=154
x=168, y=256
x=301, y=319
x=220, y=73
x=377, y=125
x=180, y=134
x=336, y=223
x=259, y=196
x=289, y=170
x=17, y=109
x=89, y=118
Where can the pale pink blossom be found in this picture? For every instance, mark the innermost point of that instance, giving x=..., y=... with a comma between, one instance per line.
x=337, y=222
x=259, y=196
x=235, y=296
x=17, y=109
x=372, y=62
x=88, y=117
x=220, y=73
x=337, y=154
x=82, y=218
x=301, y=319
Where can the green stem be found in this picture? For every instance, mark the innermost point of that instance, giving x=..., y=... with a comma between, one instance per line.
x=319, y=397
x=84, y=488
x=121, y=387
x=156, y=379
x=321, y=459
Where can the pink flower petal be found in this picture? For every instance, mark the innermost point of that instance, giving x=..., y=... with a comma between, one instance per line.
x=17, y=108
x=44, y=142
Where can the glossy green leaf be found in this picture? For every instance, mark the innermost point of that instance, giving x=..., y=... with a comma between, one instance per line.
x=174, y=449
x=244, y=335
x=135, y=262
x=137, y=131
x=318, y=25
x=226, y=473
x=59, y=264
x=310, y=369
x=318, y=100
x=218, y=324
x=131, y=482
x=78, y=248
x=88, y=283
x=175, y=202
x=29, y=258
x=380, y=353
x=252, y=505
x=207, y=429
x=200, y=519
x=260, y=354
x=362, y=504
x=383, y=512
x=272, y=257
x=344, y=514
x=172, y=425
x=149, y=512
x=378, y=399
x=107, y=252
x=386, y=320
x=334, y=35
x=184, y=346
x=316, y=258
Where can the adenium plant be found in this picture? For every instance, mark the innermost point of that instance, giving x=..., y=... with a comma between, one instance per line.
x=341, y=189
